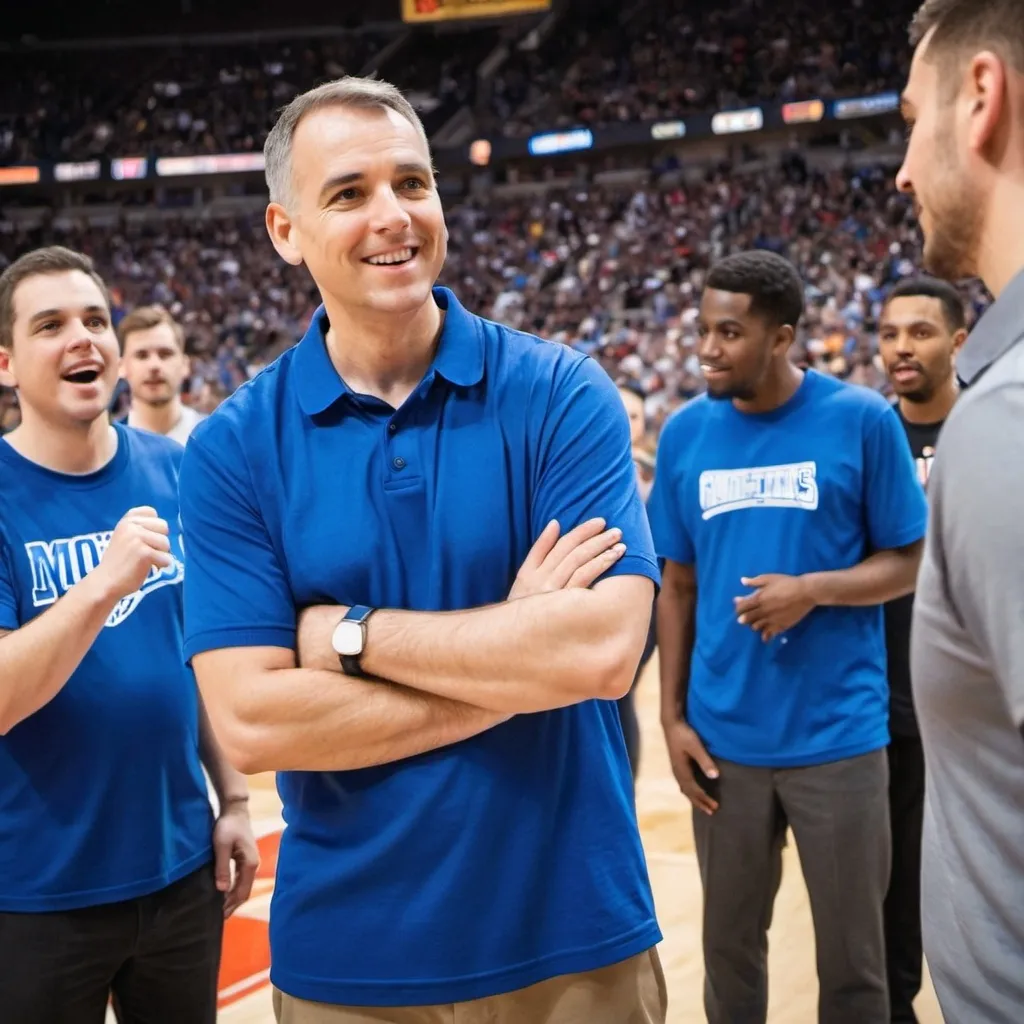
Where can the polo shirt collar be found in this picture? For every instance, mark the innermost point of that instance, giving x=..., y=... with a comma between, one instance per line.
x=317, y=381
x=460, y=350
x=459, y=359
x=1001, y=327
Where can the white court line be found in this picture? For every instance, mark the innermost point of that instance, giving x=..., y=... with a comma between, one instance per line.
x=263, y=827
x=254, y=980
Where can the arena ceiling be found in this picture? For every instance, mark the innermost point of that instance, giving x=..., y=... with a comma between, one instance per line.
x=72, y=19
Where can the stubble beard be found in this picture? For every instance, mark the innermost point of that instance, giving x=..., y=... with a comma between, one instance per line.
x=951, y=247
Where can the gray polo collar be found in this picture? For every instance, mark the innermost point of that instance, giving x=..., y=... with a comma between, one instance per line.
x=1001, y=327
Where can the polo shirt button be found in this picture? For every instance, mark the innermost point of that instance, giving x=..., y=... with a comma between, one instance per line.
x=392, y=427
x=399, y=463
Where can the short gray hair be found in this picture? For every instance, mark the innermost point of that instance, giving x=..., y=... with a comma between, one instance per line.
x=359, y=93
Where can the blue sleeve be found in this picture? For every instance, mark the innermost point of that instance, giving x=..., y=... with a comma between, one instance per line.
x=896, y=509
x=236, y=592
x=586, y=467
x=672, y=539
x=8, y=597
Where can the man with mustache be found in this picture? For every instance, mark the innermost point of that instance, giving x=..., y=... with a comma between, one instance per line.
x=154, y=364
x=921, y=327
x=964, y=165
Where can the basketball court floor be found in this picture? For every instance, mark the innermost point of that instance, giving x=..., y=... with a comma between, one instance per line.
x=665, y=824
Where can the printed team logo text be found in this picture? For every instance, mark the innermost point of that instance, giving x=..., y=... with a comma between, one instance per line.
x=794, y=485
x=57, y=565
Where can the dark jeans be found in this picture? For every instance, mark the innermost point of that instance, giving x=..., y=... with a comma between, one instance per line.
x=903, y=901
x=839, y=816
x=158, y=956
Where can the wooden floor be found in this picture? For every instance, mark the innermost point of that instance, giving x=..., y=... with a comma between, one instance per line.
x=665, y=824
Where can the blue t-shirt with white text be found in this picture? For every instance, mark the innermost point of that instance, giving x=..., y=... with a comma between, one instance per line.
x=815, y=485
x=102, y=795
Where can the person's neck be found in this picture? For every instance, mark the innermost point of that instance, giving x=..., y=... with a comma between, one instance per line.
x=778, y=389
x=76, y=450
x=158, y=419
x=935, y=409
x=385, y=356
x=1001, y=255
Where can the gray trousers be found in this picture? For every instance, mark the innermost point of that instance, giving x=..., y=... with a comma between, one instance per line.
x=839, y=816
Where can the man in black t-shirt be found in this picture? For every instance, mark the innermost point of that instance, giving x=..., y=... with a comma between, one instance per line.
x=921, y=327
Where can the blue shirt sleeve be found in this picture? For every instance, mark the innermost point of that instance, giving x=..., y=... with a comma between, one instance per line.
x=236, y=593
x=586, y=467
x=8, y=596
x=672, y=539
x=895, y=505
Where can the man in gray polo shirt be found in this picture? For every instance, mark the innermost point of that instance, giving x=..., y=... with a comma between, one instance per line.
x=965, y=168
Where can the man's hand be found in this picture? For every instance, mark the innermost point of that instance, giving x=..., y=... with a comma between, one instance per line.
x=233, y=841
x=778, y=604
x=139, y=542
x=683, y=745
x=575, y=561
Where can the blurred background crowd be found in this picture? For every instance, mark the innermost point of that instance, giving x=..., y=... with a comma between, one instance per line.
x=604, y=251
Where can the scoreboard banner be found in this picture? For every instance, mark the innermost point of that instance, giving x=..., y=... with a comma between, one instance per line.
x=480, y=152
x=450, y=10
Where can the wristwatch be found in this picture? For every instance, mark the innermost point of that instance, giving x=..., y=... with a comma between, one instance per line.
x=349, y=639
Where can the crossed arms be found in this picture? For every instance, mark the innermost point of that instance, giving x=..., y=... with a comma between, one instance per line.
x=439, y=677
x=572, y=627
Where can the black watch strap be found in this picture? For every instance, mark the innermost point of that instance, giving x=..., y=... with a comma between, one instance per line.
x=351, y=663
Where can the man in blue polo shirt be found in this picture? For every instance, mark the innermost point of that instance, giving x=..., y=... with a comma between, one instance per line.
x=114, y=877
x=392, y=535
x=788, y=510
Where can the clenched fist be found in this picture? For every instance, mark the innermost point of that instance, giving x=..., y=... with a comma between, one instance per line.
x=139, y=542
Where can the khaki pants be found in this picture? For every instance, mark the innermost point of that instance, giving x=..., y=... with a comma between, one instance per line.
x=630, y=992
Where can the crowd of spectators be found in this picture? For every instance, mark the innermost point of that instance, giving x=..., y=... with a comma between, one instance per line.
x=669, y=58
x=613, y=272
x=170, y=101
x=675, y=57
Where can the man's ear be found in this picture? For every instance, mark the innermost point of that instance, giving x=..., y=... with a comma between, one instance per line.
x=784, y=338
x=7, y=378
x=985, y=92
x=282, y=231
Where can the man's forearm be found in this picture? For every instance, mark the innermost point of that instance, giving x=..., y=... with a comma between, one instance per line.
x=675, y=626
x=40, y=657
x=300, y=719
x=532, y=654
x=228, y=783
x=883, y=576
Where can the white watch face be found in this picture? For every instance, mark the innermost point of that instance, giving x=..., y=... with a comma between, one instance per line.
x=348, y=638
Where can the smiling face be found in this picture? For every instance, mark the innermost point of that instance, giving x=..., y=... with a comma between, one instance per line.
x=64, y=355
x=364, y=214
x=736, y=347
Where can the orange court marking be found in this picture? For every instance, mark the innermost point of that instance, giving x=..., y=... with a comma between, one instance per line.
x=245, y=961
